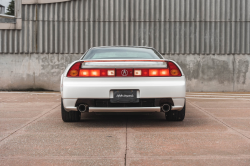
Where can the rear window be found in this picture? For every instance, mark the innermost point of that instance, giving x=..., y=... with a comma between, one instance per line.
x=122, y=53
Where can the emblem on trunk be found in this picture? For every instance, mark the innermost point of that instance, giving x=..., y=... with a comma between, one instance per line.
x=124, y=72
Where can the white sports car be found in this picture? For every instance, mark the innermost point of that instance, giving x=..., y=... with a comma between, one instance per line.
x=123, y=79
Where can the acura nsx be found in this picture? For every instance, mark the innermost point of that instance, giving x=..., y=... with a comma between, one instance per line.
x=123, y=79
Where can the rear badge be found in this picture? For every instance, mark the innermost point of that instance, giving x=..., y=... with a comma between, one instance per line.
x=124, y=72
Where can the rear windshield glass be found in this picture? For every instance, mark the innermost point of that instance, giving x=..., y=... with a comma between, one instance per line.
x=122, y=53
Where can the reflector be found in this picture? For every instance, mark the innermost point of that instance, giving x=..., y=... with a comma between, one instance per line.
x=103, y=73
x=74, y=70
x=174, y=70
x=145, y=72
x=73, y=73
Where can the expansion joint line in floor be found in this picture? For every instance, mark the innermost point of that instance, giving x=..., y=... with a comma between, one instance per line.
x=218, y=120
x=125, y=157
x=31, y=121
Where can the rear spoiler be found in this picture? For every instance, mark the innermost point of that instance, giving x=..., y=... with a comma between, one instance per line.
x=126, y=60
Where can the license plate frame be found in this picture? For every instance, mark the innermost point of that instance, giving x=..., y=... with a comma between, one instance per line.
x=124, y=96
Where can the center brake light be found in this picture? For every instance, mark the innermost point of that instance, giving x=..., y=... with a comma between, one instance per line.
x=171, y=71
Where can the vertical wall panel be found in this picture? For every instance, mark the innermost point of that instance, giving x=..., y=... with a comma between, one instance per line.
x=247, y=38
x=171, y=26
x=247, y=10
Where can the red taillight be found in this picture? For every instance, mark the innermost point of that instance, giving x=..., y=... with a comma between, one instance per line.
x=103, y=73
x=94, y=73
x=141, y=72
x=145, y=72
x=174, y=70
x=97, y=73
x=151, y=72
x=84, y=73
x=164, y=72
x=74, y=70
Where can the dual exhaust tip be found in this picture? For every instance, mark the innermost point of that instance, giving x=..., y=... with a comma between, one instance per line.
x=82, y=108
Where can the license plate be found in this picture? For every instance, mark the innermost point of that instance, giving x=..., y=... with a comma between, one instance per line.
x=124, y=96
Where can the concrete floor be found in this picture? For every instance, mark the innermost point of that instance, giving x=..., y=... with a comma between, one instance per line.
x=216, y=131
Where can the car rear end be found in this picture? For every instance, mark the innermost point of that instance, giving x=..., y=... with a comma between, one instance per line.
x=123, y=85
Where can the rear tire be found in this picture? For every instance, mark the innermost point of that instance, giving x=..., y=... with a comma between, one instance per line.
x=174, y=115
x=71, y=116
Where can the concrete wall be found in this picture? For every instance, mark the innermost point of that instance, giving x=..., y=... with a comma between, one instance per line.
x=209, y=39
x=210, y=73
x=33, y=71
x=215, y=73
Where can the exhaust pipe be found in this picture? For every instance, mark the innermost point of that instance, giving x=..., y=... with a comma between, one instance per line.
x=166, y=107
x=82, y=108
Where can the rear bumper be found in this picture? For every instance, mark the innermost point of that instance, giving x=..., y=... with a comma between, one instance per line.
x=69, y=105
x=72, y=104
x=101, y=88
